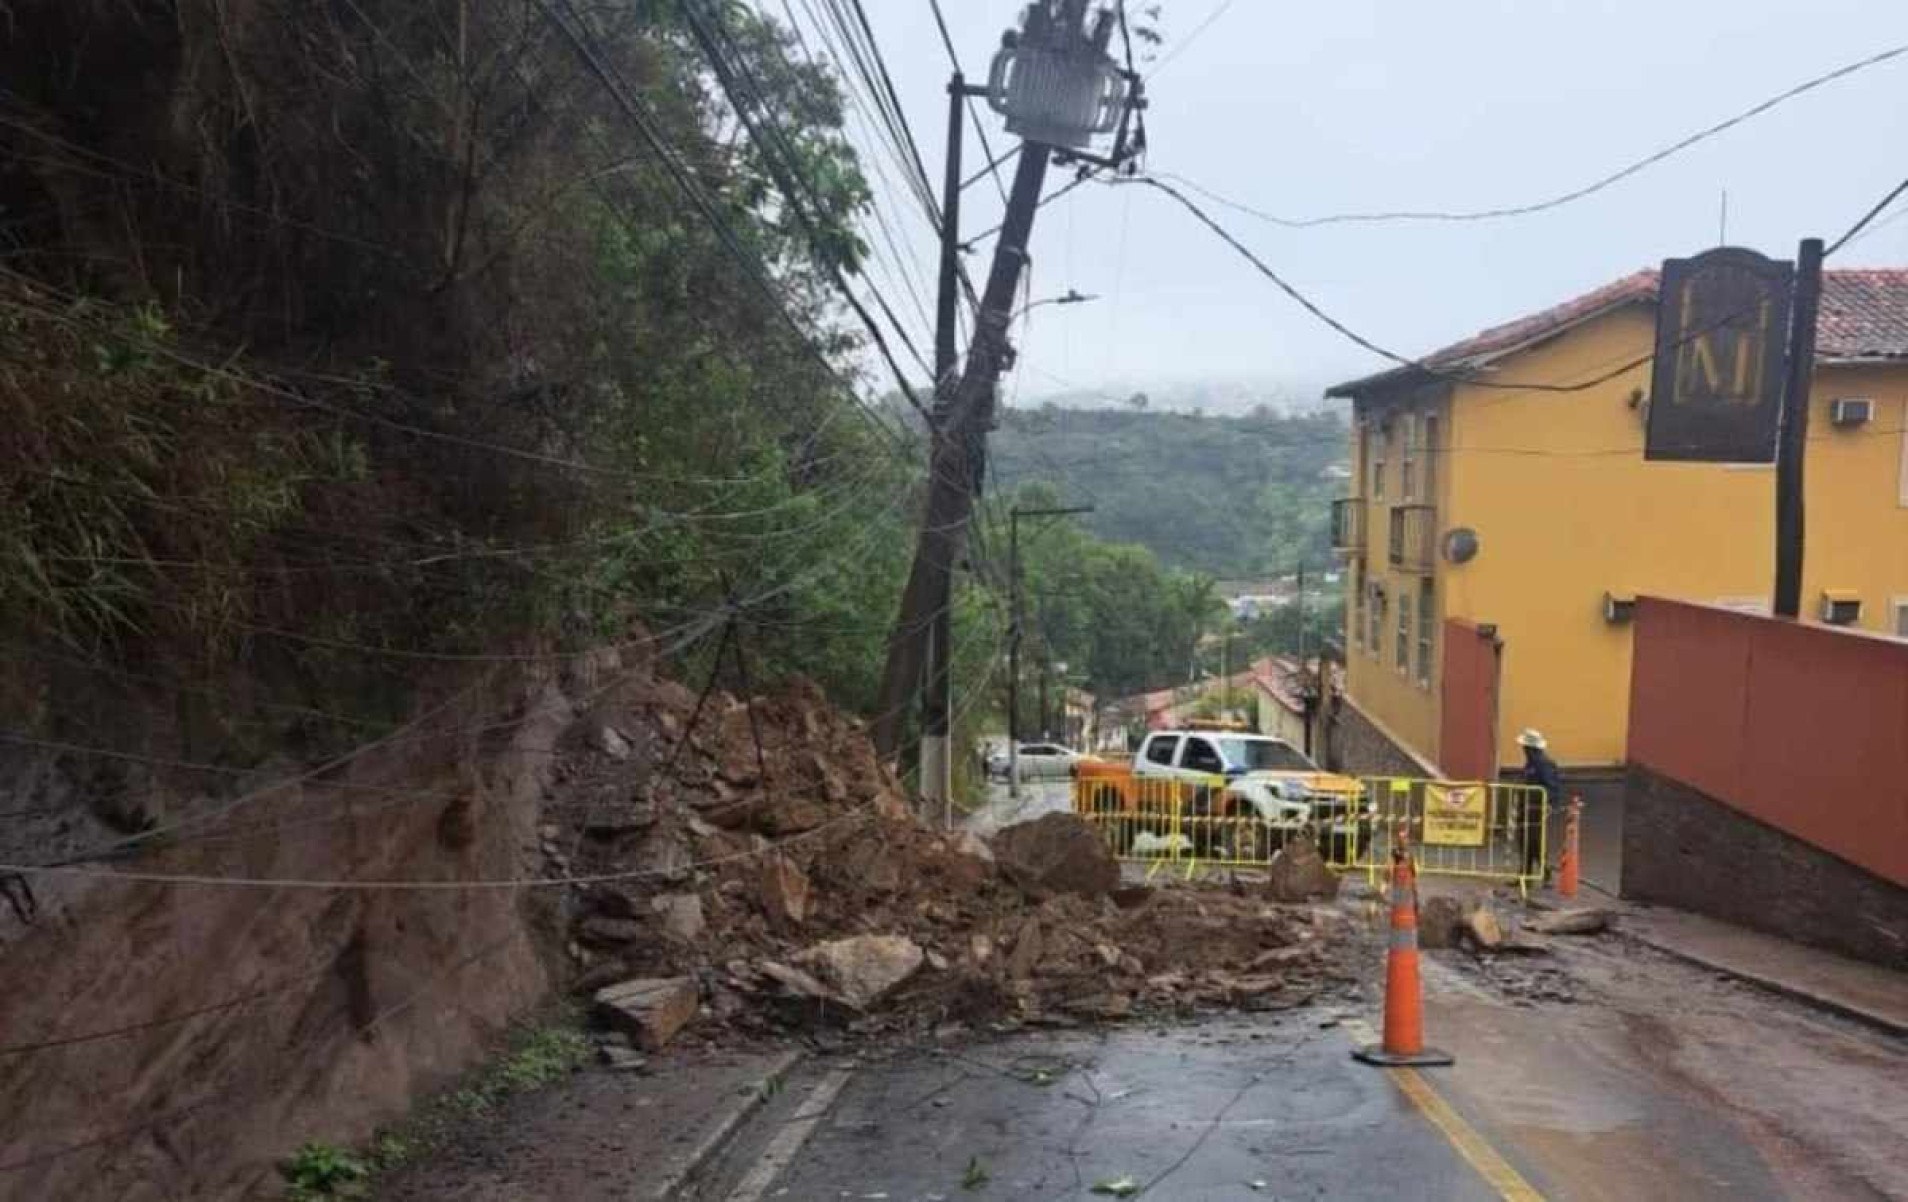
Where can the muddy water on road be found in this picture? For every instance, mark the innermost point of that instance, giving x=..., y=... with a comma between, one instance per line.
x=1666, y=1083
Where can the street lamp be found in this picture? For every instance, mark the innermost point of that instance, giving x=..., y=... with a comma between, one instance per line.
x=1072, y=296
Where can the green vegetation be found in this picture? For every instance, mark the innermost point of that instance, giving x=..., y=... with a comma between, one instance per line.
x=394, y=347
x=393, y=344
x=322, y=1171
x=539, y=1053
x=1118, y=619
x=1231, y=497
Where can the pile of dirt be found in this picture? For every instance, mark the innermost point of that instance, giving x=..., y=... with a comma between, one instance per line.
x=785, y=877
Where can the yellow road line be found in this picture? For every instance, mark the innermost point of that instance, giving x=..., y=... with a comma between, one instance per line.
x=1474, y=1148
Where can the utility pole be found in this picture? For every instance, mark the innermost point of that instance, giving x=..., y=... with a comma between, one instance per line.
x=1792, y=439
x=937, y=703
x=1311, y=684
x=1058, y=88
x=1015, y=623
x=1301, y=615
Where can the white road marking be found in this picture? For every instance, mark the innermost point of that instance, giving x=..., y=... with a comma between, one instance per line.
x=788, y=1142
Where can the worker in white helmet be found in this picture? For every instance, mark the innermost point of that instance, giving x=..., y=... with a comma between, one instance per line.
x=1539, y=770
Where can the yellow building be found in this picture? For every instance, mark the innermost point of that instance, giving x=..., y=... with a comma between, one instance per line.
x=1498, y=532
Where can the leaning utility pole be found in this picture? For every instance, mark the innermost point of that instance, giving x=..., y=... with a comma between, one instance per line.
x=1057, y=87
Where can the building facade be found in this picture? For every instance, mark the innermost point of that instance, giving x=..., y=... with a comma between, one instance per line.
x=1498, y=534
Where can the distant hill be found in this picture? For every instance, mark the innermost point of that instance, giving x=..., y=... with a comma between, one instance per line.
x=1218, y=397
x=1233, y=497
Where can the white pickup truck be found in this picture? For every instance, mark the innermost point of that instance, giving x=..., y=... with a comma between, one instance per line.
x=1264, y=778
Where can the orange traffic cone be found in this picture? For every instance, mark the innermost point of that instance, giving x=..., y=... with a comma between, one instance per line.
x=1567, y=868
x=1403, y=1044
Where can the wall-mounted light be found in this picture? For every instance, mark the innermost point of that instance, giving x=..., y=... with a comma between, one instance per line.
x=1618, y=608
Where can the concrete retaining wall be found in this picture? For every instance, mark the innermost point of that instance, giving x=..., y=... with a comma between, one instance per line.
x=1358, y=745
x=1686, y=849
x=1800, y=727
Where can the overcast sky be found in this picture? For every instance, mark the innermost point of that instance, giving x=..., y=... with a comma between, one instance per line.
x=1305, y=109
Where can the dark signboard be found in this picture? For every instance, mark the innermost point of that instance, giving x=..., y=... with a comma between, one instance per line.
x=1722, y=327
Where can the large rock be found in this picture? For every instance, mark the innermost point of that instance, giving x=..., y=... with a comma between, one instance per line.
x=870, y=863
x=612, y=742
x=1298, y=873
x=858, y=972
x=1458, y=922
x=665, y=854
x=783, y=891
x=1438, y=921
x=791, y=816
x=1057, y=853
x=651, y=1010
x=1481, y=929
x=1571, y=922
x=680, y=915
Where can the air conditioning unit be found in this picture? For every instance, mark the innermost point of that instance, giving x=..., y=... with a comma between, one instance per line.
x=1618, y=609
x=1851, y=411
x=1840, y=608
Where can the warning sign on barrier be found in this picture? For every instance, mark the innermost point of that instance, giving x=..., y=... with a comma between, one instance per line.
x=1454, y=815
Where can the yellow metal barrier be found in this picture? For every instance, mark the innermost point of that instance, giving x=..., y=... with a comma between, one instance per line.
x=1194, y=823
x=1477, y=829
x=1472, y=829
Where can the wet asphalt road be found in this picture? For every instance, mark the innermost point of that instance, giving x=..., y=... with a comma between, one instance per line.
x=1240, y=1109
x=1659, y=1081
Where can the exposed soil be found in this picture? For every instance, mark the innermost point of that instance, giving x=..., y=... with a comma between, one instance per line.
x=808, y=840
x=179, y=1040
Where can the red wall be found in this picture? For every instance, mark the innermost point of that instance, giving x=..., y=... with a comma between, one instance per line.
x=1802, y=727
x=1467, y=712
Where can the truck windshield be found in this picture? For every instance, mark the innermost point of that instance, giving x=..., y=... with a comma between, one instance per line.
x=1263, y=755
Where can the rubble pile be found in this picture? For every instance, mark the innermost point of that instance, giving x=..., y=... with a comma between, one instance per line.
x=786, y=881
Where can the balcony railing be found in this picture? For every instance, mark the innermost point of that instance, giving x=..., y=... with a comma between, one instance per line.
x=1414, y=532
x=1348, y=524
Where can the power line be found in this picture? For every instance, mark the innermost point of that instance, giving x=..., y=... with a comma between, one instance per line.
x=440, y=884
x=611, y=81
x=1575, y=194
x=1085, y=174
x=1866, y=218
x=1218, y=11
x=732, y=72
x=1429, y=370
x=973, y=110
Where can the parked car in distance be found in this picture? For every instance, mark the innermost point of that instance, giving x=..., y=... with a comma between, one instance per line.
x=1038, y=761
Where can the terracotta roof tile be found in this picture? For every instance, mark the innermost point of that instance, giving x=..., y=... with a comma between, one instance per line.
x=1864, y=315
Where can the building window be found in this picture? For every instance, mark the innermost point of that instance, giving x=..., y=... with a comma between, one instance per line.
x=1404, y=633
x=1375, y=617
x=1427, y=642
x=1358, y=605
x=1407, y=457
x=1903, y=485
x=1430, y=470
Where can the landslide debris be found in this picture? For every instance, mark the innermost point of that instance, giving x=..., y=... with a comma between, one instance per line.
x=769, y=860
